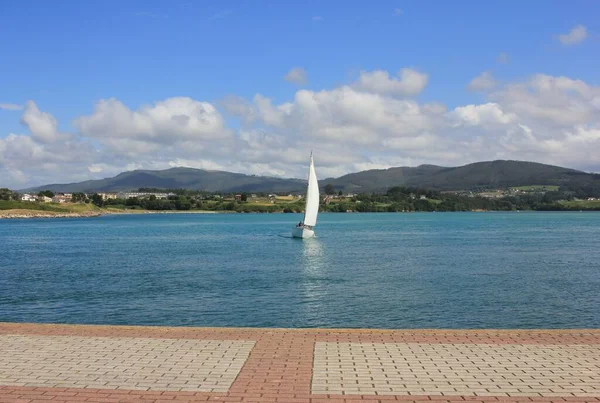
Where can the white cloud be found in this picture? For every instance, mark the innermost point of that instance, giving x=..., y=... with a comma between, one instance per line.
x=297, y=75
x=149, y=128
x=549, y=100
x=95, y=168
x=317, y=18
x=409, y=82
x=240, y=107
x=483, y=82
x=42, y=125
x=398, y=11
x=551, y=119
x=11, y=107
x=574, y=36
x=475, y=115
x=183, y=117
x=271, y=115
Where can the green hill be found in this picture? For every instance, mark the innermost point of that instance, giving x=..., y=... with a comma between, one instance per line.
x=480, y=175
x=477, y=176
x=176, y=178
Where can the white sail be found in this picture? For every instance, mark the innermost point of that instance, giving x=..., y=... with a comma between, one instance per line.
x=312, y=197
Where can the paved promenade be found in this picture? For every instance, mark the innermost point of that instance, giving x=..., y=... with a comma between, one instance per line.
x=63, y=363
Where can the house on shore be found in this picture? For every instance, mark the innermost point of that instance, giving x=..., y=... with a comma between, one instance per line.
x=108, y=196
x=60, y=199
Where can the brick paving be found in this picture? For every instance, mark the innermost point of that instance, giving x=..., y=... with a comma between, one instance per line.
x=142, y=364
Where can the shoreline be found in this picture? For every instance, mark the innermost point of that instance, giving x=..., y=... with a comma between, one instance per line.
x=31, y=214
x=25, y=214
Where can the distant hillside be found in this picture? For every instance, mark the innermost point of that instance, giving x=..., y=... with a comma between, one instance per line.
x=480, y=175
x=176, y=178
x=498, y=174
x=381, y=179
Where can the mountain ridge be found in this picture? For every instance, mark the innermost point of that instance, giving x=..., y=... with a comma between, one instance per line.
x=485, y=174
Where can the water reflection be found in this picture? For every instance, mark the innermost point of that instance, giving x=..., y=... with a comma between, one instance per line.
x=312, y=251
x=314, y=282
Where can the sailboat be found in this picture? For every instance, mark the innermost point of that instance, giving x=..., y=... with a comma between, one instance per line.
x=305, y=229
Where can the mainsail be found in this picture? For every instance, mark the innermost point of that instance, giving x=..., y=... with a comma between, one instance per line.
x=312, y=197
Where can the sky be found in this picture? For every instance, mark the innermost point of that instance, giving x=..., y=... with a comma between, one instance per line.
x=89, y=89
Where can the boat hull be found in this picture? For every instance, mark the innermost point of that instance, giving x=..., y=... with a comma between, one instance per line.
x=301, y=232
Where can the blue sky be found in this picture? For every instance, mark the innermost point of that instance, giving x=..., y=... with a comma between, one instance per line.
x=67, y=55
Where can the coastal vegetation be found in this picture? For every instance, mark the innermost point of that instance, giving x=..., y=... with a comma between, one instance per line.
x=395, y=199
x=49, y=207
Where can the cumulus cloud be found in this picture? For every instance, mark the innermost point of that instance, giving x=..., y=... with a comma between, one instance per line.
x=25, y=160
x=479, y=115
x=574, y=36
x=148, y=129
x=271, y=115
x=184, y=117
x=554, y=101
x=408, y=83
x=483, y=82
x=297, y=75
x=11, y=107
x=238, y=106
x=550, y=119
x=42, y=125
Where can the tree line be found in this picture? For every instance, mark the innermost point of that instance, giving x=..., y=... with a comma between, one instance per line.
x=396, y=199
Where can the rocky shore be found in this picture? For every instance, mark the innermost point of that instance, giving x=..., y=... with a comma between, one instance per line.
x=21, y=213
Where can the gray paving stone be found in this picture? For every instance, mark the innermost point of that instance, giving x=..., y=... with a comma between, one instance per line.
x=456, y=369
x=121, y=362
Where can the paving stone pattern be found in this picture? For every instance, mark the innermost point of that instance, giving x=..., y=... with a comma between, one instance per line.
x=156, y=364
x=121, y=362
x=456, y=369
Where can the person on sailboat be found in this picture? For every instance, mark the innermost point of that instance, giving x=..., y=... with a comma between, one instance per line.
x=305, y=228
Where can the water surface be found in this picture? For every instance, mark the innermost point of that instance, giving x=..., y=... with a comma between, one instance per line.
x=418, y=270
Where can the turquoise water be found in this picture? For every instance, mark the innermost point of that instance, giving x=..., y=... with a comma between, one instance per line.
x=420, y=270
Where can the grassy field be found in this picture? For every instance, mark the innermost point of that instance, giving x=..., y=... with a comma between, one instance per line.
x=582, y=204
x=282, y=201
x=56, y=207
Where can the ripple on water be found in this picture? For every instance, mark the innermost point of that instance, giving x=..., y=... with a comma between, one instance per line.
x=451, y=270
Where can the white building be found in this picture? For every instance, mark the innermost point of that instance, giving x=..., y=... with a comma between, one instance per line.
x=143, y=195
x=28, y=197
x=107, y=196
